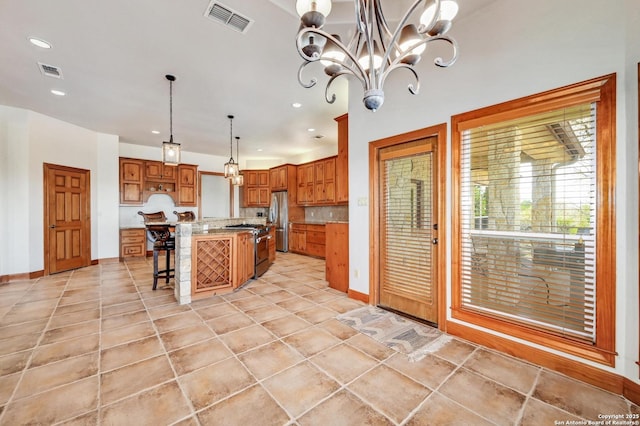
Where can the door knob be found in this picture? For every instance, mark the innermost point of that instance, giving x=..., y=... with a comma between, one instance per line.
x=434, y=241
x=52, y=226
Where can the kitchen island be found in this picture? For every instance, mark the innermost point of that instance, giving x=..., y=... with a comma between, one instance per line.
x=211, y=258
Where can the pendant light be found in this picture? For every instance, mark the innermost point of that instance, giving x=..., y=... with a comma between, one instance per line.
x=238, y=180
x=170, y=150
x=231, y=168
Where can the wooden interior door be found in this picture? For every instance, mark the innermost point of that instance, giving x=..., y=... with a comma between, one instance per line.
x=67, y=219
x=407, y=208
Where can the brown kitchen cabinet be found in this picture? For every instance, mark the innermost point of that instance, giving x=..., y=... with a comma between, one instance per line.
x=307, y=239
x=256, y=191
x=158, y=171
x=342, y=161
x=131, y=181
x=283, y=178
x=337, y=255
x=140, y=179
x=187, y=189
x=317, y=182
x=245, y=264
x=133, y=242
x=220, y=262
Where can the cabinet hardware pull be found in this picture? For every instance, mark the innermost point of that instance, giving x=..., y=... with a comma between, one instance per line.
x=434, y=241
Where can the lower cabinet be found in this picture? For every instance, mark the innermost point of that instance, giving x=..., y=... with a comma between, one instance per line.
x=245, y=258
x=308, y=239
x=133, y=242
x=220, y=262
x=337, y=261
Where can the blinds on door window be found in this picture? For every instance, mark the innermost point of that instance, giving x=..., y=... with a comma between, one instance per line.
x=406, y=225
x=528, y=204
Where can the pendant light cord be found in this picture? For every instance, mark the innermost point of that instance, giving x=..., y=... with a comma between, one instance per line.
x=171, y=111
x=231, y=138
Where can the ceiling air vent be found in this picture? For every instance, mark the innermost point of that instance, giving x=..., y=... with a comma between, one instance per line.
x=50, y=70
x=228, y=17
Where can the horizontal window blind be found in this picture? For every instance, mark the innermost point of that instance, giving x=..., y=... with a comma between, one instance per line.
x=406, y=227
x=528, y=200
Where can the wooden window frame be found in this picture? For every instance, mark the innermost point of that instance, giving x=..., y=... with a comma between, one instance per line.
x=601, y=90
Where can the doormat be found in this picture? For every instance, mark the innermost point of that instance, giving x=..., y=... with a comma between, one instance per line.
x=398, y=333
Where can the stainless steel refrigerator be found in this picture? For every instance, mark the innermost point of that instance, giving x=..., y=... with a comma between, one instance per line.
x=279, y=217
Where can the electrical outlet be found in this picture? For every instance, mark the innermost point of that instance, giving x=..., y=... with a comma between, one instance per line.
x=356, y=273
x=362, y=201
x=330, y=214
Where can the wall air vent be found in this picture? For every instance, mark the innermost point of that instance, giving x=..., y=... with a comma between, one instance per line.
x=50, y=70
x=228, y=17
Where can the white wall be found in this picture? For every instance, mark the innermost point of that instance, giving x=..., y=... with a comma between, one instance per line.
x=29, y=140
x=507, y=52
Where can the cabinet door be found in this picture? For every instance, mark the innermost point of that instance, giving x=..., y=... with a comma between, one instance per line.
x=263, y=196
x=263, y=178
x=168, y=172
x=131, y=174
x=251, y=177
x=253, y=196
x=187, y=194
x=273, y=179
x=153, y=170
x=301, y=191
x=319, y=194
x=330, y=180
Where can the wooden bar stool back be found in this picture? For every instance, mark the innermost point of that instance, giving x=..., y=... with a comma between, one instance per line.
x=162, y=239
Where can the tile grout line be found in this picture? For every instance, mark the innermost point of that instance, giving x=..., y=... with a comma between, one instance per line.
x=33, y=349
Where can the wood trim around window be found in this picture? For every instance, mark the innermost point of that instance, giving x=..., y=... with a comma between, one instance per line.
x=603, y=91
x=440, y=133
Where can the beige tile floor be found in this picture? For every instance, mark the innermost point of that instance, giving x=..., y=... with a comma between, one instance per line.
x=97, y=346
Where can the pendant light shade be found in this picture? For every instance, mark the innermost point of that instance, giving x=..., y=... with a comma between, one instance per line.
x=238, y=180
x=231, y=168
x=170, y=150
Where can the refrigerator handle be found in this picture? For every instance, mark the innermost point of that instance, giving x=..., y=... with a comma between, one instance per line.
x=273, y=209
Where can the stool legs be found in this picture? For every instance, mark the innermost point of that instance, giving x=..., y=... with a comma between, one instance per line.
x=166, y=273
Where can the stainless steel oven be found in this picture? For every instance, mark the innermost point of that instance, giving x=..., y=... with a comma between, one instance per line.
x=261, y=239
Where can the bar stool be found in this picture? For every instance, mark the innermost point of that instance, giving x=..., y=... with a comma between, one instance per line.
x=162, y=240
x=187, y=216
x=160, y=236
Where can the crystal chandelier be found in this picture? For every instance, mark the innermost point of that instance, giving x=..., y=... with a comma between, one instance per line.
x=231, y=168
x=374, y=51
x=238, y=180
x=170, y=150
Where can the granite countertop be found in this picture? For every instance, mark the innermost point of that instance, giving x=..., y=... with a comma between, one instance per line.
x=133, y=227
x=220, y=231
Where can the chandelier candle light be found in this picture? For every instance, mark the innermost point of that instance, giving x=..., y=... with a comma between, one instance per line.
x=231, y=168
x=238, y=180
x=374, y=51
x=170, y=150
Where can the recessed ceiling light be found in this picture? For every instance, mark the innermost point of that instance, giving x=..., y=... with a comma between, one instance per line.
x=40, y=43
x=58, y=92
x=155, y=132
x=296, y=104
x=259, y=150
x=311, y=129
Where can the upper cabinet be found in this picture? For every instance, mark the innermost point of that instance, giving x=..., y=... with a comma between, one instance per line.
x=317, y=182
x=131, y=181
x=139, y=179
x=187, y=189
x=255, y=191
x=342, y=160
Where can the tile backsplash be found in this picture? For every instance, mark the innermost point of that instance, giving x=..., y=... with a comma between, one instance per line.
x=328, y=213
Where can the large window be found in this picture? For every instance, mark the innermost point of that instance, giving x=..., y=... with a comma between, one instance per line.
x=535, y=231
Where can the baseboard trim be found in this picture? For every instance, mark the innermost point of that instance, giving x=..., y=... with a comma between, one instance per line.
x=4, y=279
x=578, y=370
x=358, y=296
x=631, y=391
